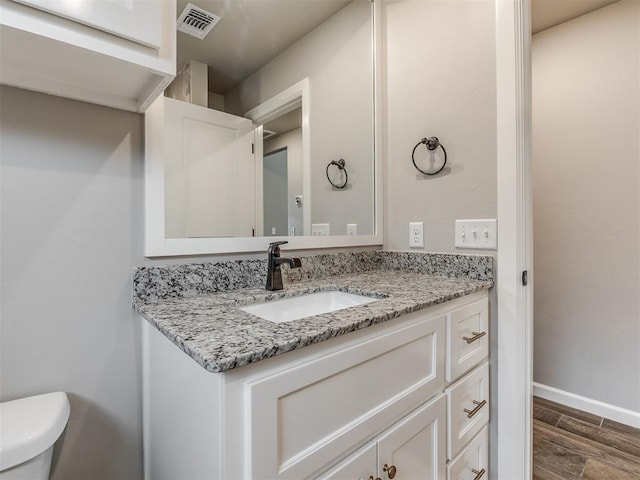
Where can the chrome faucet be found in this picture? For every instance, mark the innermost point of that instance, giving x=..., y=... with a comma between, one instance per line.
x=274, y=274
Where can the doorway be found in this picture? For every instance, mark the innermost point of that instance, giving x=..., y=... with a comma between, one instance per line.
x=275, y=187
x=586, y=203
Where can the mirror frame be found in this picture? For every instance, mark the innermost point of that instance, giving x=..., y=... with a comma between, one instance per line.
x=156, y=245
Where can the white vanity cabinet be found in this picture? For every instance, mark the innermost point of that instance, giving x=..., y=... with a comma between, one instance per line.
x=369, y=404
x=120, y=53
x=468, y=402
x=413, y=448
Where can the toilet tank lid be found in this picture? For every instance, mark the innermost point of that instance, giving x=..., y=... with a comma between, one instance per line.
x=29, y=426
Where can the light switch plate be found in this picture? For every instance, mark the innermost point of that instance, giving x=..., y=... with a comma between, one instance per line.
x=416, y=234
x=480, y=234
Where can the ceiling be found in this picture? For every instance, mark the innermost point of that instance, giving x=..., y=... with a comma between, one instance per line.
x=547, y=13
x=250, y=34
x=285, y=123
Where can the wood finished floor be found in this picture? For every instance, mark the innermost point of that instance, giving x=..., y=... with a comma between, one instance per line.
x=569, y=444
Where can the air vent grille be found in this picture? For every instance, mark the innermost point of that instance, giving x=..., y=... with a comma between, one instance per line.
x=196, y=22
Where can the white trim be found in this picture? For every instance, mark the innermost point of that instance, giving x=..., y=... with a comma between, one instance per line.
x=158, y=246
x=154, y=227
x=514, y=331
x=258, y=156
x=280, y=104
x=379, y=126
x=146, y=403
x=284, y=102
x=202, y=246
x=596, y=407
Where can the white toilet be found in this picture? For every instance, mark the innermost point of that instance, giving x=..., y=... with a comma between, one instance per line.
x=28, y=429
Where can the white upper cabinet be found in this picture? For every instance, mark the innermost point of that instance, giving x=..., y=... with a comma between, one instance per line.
x=118, y=53
x=136, y=20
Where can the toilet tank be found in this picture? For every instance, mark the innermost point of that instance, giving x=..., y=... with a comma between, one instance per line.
x=28, y=429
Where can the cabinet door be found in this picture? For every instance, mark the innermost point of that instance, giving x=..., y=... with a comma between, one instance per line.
x=136, y=20
x=209, y=173
x=358, y=466
x=415, y=446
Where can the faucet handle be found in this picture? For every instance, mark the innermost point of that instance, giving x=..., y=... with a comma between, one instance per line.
x=274, y=247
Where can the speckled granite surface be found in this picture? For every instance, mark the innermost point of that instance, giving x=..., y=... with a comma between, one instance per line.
x=185, y=280
x=213, y=331
x=475, y=267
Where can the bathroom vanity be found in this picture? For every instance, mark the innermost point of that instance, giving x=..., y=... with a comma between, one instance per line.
x=398, y=387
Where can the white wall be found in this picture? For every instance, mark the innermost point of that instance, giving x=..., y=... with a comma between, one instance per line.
x=440, y=80
x=440, y=76
x=71, y=205
x=586, y=166
x=71, y=231
x=71, y=218
x=337, y=58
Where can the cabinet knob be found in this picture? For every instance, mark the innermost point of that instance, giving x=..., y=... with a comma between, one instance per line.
x=390, y=470
x=371, y=478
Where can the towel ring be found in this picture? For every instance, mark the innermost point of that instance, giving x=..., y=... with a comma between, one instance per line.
x=431, y=143
x=341, y=166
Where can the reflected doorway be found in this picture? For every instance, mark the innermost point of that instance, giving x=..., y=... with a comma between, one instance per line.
x=275, y=188
x=282, y=171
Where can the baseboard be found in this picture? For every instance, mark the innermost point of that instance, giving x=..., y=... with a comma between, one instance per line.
x=617, y=414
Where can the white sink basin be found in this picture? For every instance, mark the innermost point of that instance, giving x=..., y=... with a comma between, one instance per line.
x=295, y=308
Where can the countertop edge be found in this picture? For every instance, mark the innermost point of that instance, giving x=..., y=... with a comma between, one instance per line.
x=226, y=363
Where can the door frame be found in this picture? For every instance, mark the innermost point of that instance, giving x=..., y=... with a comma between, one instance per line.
x=515, y=308
x=295, y=96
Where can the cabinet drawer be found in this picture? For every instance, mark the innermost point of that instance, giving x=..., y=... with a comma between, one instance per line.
x=473, y=461
x=303, y=418
x=467, y=408
x=467, y=338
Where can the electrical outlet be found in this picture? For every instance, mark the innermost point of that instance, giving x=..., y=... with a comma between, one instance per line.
x=416, y=234
x=480, y=234
x=352, y=228
x=320, y=229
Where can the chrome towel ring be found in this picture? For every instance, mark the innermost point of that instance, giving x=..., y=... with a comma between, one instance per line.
x=431, y=143
x=341, y=167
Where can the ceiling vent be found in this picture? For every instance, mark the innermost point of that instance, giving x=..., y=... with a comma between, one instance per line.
x=196, y=22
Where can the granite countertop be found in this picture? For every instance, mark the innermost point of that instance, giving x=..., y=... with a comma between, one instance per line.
x=212, y=330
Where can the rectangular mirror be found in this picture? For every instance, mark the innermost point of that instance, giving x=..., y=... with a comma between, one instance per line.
x=268, y=132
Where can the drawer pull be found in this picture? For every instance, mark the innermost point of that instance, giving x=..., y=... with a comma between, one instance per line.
x=377, y=478
x=479, y=405
x=479, y=474
x=391, y=470
x=476, y=336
